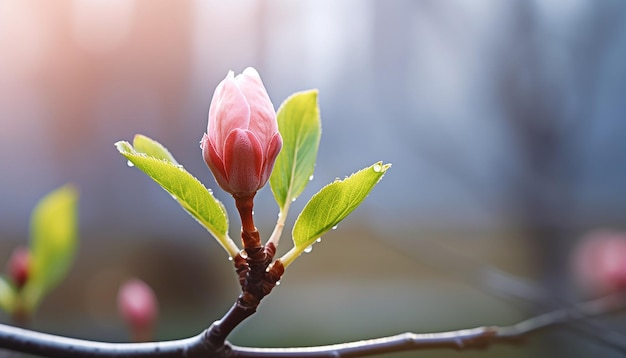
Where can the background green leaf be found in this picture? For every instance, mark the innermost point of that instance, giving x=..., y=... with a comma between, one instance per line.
x=331, y=205
x=7, y=295
x=185, y=189
x=299, y=125
x=53, y=235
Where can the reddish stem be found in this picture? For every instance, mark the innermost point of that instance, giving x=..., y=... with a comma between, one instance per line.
x=252, y=264
x=245, y=206
x=257, y=279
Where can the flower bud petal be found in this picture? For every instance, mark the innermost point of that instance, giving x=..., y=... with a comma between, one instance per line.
x=262, y=111
x=229, y=110
x=274, y=147
x=243, y=159
x=242, y=139
x=214, y=161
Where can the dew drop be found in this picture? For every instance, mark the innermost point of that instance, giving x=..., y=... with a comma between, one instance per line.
x=277, y=283
x=308, y=249
x=294, y=199
x=311, y=177
x=335, y=227
x=243, y=254
x=130, y=164
x=210, y=191
x=377, y=168
x=230, y=258
x=319, y=239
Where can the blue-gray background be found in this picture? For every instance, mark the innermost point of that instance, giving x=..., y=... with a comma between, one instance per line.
x=504, y=122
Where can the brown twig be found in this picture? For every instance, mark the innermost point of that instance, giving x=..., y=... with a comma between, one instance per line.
x=27, y=341
x=257, y=277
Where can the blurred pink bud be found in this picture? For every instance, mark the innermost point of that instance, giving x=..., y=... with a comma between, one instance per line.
x=17, y=266
x=599, y=262
x=139, y=308
x=242, y=139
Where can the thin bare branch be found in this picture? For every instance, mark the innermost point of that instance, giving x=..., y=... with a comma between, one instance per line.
x=27, y=341
x=476, y=338
x=47, y=345
x=499, y=283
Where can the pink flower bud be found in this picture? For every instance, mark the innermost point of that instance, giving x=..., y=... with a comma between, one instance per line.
x=599, y=262
x=139, y=308
x=242, y=139
x=18, y=266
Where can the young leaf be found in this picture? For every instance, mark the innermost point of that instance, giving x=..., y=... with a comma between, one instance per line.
x=7, y=295
x=299, y=125
x=331, y=205
x=152, y=148
x=184, y=188
x=53, y=233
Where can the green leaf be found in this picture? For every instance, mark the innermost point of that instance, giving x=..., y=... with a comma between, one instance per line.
x=299, y=125
x=152, y=148
x=331, y=205
x=53, y=236
x=7, y=295
x=188, y=191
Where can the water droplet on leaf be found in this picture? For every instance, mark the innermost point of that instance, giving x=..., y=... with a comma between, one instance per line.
x=311, y=177
x=277, y=283
x=308, y=249
x=377, y=168
x=129, y=163
x=335, y=227
x=319, y=239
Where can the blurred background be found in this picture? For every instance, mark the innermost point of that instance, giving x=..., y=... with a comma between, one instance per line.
x=504, y=122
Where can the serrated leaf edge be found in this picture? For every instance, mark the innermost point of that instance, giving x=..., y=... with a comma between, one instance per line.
x=223, y=239
x=296, y=251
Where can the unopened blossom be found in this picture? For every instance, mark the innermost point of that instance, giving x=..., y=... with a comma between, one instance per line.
x=242, y=139
x=138, y=307
x=599, y=261
x=18, y=266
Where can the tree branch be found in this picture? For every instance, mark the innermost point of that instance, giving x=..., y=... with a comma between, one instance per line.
x=475, y=338
x=502, y=284
x=48, y=345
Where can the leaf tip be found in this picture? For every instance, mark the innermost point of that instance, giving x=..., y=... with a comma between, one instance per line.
x=379, y=167
x=139, y=137
x=70, y=190
x=67, y=193
x=314, y=92
x=124, y=147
